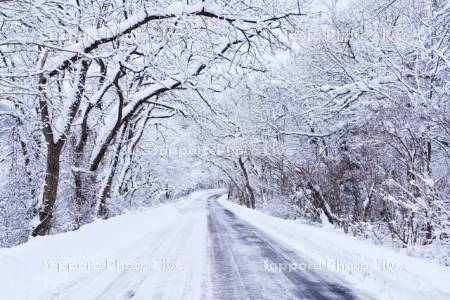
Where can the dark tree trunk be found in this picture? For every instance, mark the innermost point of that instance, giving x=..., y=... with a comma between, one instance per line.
x=103, y=208
x=81, y=181
x=54, y=149
x=85, y=183
x=321, y=203
x=428, y=234
x=50, y=189
x=252, y=203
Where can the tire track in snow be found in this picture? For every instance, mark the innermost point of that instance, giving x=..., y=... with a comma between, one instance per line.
x=239, y=254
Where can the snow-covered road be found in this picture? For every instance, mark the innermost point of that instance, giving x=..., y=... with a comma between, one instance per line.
x=247, y=264
x=205, y=247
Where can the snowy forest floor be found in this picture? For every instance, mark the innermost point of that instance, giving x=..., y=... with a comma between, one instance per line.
x=205, y=247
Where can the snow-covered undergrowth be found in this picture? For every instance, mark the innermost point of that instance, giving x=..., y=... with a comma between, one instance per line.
x=438, y=251
x=376, y=269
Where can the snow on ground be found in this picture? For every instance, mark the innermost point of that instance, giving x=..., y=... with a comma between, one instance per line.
x=164, y=253
x=382, y=272
x=91, y=263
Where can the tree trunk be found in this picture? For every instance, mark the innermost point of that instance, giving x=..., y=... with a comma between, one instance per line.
x=50, y=189
x=252, y=203
x=322, y=203
x=54, y=149
x=103, y=209
x=85, y=184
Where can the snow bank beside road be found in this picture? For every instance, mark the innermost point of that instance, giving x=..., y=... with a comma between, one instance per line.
x=375, y=269
x=135, y=255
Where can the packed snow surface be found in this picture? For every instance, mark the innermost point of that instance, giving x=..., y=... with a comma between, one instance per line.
x=205, y=247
